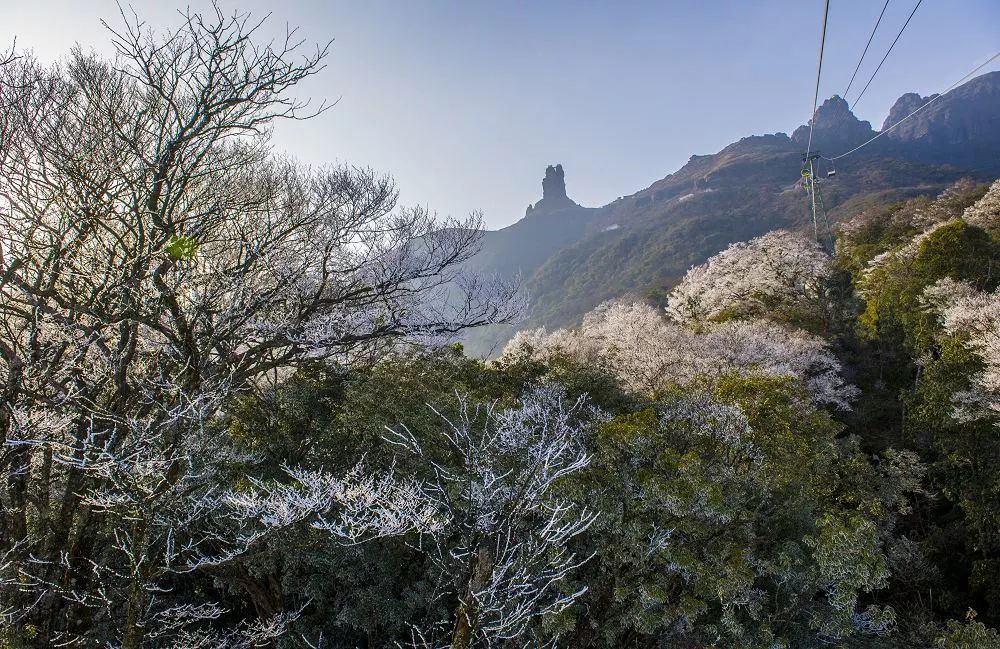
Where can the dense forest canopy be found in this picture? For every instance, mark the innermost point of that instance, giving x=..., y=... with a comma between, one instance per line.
x=233, y=414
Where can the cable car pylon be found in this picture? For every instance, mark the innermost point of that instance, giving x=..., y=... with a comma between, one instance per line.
x=821, y=222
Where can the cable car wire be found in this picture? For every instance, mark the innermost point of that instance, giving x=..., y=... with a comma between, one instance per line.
x=867, y=45
x=810, y=175
x=884, y=131
x=819, y=73
x=887, y=54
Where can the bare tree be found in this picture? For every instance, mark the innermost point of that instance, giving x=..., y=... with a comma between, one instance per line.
x=504, y=551
x=490, y=518
x=155, y=259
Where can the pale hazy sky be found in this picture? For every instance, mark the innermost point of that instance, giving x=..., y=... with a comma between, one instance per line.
x=466, y=102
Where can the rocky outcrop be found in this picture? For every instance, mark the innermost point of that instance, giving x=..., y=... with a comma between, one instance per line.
x=961, y=128
x=836, y=127
x=553, y=191
x=554, y=183
x=905, y=105
x=969, y=115
x=552, y=223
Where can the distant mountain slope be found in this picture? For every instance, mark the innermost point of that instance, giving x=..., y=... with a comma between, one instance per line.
x=573, y=258
x=548, y=226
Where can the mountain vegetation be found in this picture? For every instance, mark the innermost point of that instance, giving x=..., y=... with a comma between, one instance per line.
x=644, y=243
x=233, y=413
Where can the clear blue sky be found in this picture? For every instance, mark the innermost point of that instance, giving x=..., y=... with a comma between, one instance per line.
x=465, y=102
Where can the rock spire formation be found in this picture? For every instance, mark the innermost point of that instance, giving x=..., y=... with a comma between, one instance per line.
x=554, y=183
x=553, y=191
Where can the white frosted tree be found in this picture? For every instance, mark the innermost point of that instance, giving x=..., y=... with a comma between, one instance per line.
x=647, y=352
x=504, y=551
x=975, y=317
x=157, y=258
x=985, y=213
x=779, y=270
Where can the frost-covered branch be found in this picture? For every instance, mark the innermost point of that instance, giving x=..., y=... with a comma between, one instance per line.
x=750, y=278
x=649, y=353
x=355, y=507
x=156, y=260
x=508, y=535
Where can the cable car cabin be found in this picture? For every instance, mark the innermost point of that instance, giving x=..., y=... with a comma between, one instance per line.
x=831, y=173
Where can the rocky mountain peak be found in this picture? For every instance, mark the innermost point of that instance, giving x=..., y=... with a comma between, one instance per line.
x=836, y=126
x=553, y=191
x=966, y=120
x=554, y=183
x=905, y=105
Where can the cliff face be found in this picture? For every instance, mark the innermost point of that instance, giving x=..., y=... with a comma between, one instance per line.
x=905, y=105
x=962, y=126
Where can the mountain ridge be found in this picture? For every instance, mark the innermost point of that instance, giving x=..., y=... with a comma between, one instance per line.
x=571, y=257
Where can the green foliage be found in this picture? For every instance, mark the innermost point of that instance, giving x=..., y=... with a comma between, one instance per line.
x=724, y=521
x=741, y=517
x=873, y=233
x=849, y=560
x=182, y=248
x=964, y=457
x=718, y=514
x=915, y=373
x=894, y=313
x=968, y=635
x=796, y=438
x=959, y=251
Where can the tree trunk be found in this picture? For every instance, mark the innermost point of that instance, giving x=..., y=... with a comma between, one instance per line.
x=134, y=629
x=467, y=617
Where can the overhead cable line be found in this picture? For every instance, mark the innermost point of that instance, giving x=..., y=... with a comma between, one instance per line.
x=819, y=73
x=808, y=170
x=886, y=130
x=867, y=45
x=887, y=53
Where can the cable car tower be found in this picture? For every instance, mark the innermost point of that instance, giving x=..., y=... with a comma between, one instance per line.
x=821, y=222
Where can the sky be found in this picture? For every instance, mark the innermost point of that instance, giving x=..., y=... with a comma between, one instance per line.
x=465, y=102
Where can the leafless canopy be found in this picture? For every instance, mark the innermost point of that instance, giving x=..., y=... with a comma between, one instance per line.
x=156, y=257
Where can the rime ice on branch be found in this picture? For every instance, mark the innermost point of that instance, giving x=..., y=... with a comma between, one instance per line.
x=649, y=353
x=510, y=531
x=155, y=259
x=749, y=278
